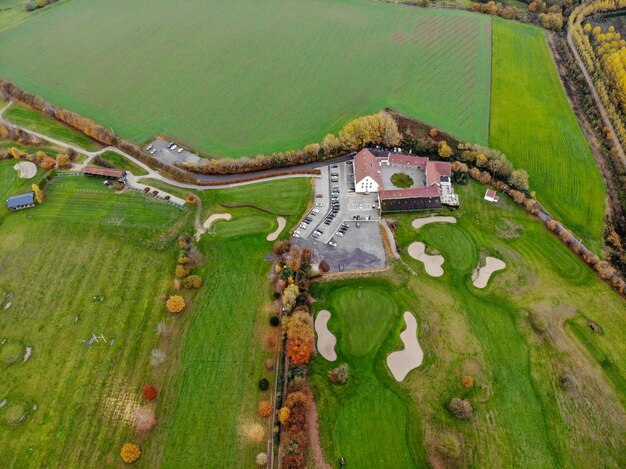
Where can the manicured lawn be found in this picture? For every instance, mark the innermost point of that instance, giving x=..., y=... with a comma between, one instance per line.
x=533, y=124
x=121, y=162
x=11, y=184
x=523, y=414
x=272, y=76
x=487, y=333
x=34, y=120
x=222, y=355
x=369, y=421
x=55, y=258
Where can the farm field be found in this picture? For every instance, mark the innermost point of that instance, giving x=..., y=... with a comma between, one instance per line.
x=552, y=398
x=294, y=71
x=533, y=124
x=55, y=259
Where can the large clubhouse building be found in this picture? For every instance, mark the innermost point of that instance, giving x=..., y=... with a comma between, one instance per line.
x=428, y=184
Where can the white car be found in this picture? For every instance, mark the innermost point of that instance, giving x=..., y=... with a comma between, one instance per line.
x=339, y=233
x=296, y=234
x=332, y=243
x=174, y=146
x=315, y=211
x=319, y=204
x=180, y=150
x=304, y=225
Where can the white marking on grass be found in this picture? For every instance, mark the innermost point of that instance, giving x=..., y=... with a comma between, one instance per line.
x=481, y=275
x=403, y=361
x=419, y=222
x=432, y=264
x=326, y=340
x=29, y=351
x=281, y=226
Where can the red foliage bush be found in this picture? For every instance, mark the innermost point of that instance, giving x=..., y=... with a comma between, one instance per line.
x=149, y=392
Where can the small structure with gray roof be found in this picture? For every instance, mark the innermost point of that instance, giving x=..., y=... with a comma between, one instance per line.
x=22, y=201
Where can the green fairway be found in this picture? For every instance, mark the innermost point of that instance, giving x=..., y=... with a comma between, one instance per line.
x=533, y=124
x=35, y=120
x=121, y=162
x=222, y=355
x=55, y=259
x=365, y=319
x=243, y=77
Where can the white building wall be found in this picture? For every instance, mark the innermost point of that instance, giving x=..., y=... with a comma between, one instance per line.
x=367, y=184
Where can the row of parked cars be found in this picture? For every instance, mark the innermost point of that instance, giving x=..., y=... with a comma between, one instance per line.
x=307, y=220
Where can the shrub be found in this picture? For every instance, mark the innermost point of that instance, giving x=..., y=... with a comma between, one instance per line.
x=162, y=329
x=181, y=271
x=467, y=382
x=265, y=408
x=192, y=199
x=340, y=374
x=261, y=459
x=449, y=445
x=254, y=432
x=299, y=338
x=264, y=384
x=538, y=323
x=283, y=415
x=149, y=392
x=460, y=408
x=274, y=321
x=157, y=357
x=130, y=452
x=175, y=304
x=324, y=266
x=193, y=281
x=145, y=419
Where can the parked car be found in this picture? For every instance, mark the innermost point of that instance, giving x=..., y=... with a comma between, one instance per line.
x=339, y=233
x=332, y=243
x=319, y=204
x=345, y=225
x=335, y=166
x=315, y=211
x=296, y=234
x=318, y=232
x=358, y=225
x=180, y=150
x=173, y=146
x=153, y=151
x=304, y=225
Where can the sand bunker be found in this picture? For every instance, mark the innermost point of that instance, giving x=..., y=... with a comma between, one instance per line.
x=281, y=226
x=432, y=264
x=481, y=275
x=26, y=169
x=402, y=362
x=213, y=218
x=326, y=340
x=419, y=222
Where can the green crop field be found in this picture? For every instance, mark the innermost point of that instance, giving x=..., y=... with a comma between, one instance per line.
x=533, y=124
x=524, y=414
x=243, y=77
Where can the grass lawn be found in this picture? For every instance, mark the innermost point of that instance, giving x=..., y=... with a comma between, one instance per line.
x=34, y=120
x=121, y=162
x=523, y=414
x=11, y=184
x=222, y=355
x=366, y=317
x=268, y=72
x=533, y=124
x=55, y=258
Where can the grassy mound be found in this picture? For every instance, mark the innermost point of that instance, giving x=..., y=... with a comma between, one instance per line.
x=402, y=180
x=11, y=352
x=14, y=413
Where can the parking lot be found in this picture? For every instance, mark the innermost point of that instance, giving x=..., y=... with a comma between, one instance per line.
x=343, y=226
x=171, y=152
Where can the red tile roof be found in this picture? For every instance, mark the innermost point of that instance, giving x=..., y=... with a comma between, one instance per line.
x=436, y=169
x=417, y=193
x=366, y=164
x=402, y=159
x=105, y=172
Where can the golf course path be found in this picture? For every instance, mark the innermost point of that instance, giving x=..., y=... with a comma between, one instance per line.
x=419, y=222
x=403, y=361
x=432, y=264
x=482, y=274
x=326, y=340
x=281, y=226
